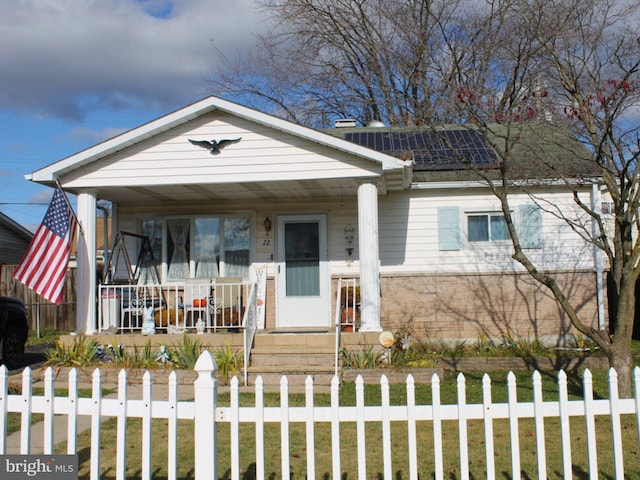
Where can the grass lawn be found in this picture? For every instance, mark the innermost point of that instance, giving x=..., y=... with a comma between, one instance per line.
x=323, y=459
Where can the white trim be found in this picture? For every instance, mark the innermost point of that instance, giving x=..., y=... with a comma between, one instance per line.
x=86, y=260
x=369, y=250
x=484, y=184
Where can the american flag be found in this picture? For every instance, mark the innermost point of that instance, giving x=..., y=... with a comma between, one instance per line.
x=44, y=265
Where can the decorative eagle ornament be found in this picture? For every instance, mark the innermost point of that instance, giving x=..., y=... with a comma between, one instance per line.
x=214, y=146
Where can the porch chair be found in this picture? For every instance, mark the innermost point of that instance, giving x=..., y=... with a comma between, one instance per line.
x=228, y=302
x=195, y=302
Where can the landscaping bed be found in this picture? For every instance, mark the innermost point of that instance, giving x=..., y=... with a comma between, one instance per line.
x=109, y=374
x=485, y=364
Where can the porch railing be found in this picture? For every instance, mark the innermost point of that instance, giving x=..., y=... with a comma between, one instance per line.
x=347, y=311
x=194, y=306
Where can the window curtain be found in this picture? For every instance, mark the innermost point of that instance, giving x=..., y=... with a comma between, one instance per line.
x=237, y=242
x=206, y=245
x=152, y=229
x=237, y=263
x=478, y=228
x=499, y=229
x=179, y=236
x=206, y=266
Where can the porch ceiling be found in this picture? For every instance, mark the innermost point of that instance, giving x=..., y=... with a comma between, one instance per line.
x=225, y=192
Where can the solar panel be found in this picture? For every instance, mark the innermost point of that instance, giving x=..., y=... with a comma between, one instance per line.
x=444, y=150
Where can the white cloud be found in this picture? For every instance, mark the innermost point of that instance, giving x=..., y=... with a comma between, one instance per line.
x=42, y=197
x=69, y=57
x=84, y=135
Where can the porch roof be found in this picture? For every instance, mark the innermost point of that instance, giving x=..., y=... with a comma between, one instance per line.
x=247, y=182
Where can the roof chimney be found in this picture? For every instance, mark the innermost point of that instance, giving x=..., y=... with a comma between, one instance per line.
x=345, y=123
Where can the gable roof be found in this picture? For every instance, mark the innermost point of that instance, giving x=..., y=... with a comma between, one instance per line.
x=13, y=226
x=49, y=174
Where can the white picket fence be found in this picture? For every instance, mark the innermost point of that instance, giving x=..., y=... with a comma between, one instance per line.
x=206, y=416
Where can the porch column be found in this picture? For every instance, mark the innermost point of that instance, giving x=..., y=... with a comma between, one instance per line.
x=86, y=322
x=369, y=257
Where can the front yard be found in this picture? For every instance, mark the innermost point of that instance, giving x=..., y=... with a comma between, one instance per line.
x=348, y=434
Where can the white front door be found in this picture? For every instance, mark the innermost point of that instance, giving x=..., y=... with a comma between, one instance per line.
x=302, y=271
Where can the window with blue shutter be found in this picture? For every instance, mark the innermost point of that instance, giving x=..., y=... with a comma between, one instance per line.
x=530, y=226
x=449, y=228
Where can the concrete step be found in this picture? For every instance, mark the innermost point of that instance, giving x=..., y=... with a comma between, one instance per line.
x=292, y=349
x=301, y=340
x=296, y=355
x=292, y=361
x=299, y=369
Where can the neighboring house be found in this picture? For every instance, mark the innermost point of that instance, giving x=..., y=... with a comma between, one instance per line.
x=14, y=240
x=424, y=237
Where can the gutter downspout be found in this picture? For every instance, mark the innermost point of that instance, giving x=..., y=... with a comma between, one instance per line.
x=596, y=206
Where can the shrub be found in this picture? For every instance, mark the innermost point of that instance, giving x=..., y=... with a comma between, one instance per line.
x=80, y=353
x=186, y=355
x=368, y=358
x=228, y=361
x=526, y=347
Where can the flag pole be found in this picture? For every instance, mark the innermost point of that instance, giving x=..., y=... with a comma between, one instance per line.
x=70, y=207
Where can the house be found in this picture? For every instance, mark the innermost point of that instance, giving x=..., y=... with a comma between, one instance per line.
x=311, y=211
x=14, y=240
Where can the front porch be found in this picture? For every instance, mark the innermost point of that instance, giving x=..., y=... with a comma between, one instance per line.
x=230, y=313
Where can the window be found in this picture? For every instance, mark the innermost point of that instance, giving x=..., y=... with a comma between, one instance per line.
x=200, y=247
x=487, y=228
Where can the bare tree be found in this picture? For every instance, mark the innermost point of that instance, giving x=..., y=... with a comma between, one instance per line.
x=571, y=65
x=367, y=60
x=533, y=75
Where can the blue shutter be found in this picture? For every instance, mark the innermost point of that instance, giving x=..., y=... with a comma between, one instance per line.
x=530, y=226
x=449, y=228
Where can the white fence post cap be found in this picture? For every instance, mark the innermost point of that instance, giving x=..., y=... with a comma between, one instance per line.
x=205, y=363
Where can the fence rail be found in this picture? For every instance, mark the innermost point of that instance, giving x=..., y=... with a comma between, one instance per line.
x=207, y=415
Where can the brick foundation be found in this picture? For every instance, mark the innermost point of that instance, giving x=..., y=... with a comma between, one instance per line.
x=469, y=306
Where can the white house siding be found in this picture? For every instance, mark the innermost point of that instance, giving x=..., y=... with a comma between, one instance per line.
x=477, y=290
x=263, y=155
x=409, y=235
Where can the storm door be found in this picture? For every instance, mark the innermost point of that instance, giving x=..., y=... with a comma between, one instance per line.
x=302, y=271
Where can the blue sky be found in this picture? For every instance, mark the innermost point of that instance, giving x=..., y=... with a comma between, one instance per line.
x=76, y=72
